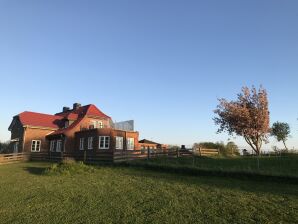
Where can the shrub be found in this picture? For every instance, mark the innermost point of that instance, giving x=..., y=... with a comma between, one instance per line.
x=69, y=167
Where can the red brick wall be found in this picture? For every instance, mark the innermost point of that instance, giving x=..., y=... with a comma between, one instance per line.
x=70, y=135
x=105, y=132
x=36, y=134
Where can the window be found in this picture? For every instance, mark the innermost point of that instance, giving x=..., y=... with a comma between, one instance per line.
x=59, y=146
x=90, y=143
x=81, y=143
x=99, y=124
x=104, y=142
x=52, y=145
x=95, y=124
x=119, y=142
x=35, y=145
x=130, y=143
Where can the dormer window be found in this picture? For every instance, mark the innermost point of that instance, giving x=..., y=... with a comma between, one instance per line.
x=99, y=124
x=66, y=124
x=96, y=124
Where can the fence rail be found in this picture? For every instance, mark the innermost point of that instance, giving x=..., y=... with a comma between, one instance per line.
x=104, y=156
x=13, y=157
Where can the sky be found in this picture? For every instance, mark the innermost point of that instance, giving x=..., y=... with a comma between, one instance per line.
x=162, y=63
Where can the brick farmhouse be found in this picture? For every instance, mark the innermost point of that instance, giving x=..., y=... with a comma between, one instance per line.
x=71, y=131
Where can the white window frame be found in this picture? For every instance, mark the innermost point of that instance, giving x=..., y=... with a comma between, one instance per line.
x=81, y=143
x=34, y=145
x=118, y=140
x=90, y=142
x=59, y=146
x=52, y=145
x=130, y=143
x=106, y=142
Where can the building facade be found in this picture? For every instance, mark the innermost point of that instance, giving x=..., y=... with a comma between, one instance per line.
x=72, y=130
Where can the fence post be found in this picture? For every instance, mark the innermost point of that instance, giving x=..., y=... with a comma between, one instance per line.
x=193, y=158
x=148, y=153
x=84, y=156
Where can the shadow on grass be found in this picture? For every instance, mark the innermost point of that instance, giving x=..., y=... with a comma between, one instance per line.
x=250, y=185
x=190, y=171
x=35, y=170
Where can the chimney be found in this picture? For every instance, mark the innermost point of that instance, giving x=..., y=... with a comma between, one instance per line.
x=76, y=106
x=65, y=109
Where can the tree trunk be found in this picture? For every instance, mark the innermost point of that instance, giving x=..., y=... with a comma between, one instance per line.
x=254, y=144
x=285, y=144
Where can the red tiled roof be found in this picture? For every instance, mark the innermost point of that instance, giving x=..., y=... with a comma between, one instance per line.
x=56, y=121
x=40, y=120
x=90, y=110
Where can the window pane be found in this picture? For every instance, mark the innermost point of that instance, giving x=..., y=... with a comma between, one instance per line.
x=33, y=146
x=107, y=142
x=101, y=142
x=37, y=145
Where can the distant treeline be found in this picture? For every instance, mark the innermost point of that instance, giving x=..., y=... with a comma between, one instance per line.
x=4, y=147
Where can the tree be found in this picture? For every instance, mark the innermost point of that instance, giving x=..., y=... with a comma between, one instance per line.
x=4, y=147
x=248, y=117
x=281, y=132
x=232, y=149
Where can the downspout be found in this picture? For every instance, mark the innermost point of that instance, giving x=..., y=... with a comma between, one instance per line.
x=24, y=138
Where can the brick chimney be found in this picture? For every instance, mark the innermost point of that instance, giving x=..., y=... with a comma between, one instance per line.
x=65, y=109
x=76, y=106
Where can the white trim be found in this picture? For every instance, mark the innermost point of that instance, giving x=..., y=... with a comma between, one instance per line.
x=81, y=144
x=90, y=142
x=34, y=145
x=106, y=142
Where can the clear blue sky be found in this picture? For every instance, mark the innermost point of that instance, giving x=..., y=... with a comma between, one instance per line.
x=161, y=63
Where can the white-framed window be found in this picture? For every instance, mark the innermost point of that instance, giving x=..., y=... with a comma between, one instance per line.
x=81, y=143
x=35, y=145
x=95, y=124
x=99, y=124
x=52, y=145
x=130, y=142
x=90, y=142
x=119, y=142
x=59, y=146
x=104, y=142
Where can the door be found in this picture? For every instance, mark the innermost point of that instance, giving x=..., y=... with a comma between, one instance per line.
x=16, y=147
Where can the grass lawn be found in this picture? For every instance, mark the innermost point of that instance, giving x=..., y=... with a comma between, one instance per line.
x=278, y=166
x=130, y=195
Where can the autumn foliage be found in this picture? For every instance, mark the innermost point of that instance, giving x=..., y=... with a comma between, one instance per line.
x=248, y=117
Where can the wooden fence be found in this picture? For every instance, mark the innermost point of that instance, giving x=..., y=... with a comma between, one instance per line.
x=13, y=157
x=206, y=152
x=94, y=157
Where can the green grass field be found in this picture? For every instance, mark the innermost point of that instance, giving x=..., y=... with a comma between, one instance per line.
x=110, y=194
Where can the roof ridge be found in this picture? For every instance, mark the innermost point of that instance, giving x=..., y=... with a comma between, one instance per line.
x=26, y=111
